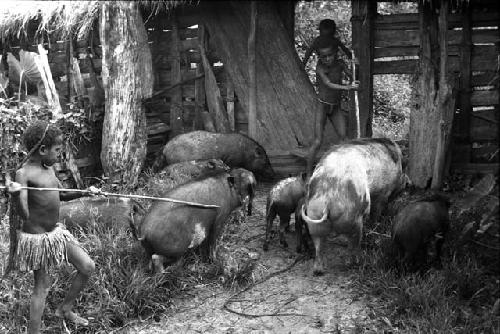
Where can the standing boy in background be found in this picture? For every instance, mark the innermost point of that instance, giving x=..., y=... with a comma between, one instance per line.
x=329, y=73
x=43, y=242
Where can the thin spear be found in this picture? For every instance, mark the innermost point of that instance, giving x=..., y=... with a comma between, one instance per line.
x=163, y=199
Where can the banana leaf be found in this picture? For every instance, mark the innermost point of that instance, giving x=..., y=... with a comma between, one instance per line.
x=24, y=69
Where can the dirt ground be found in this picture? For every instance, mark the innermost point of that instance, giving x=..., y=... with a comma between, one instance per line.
x=296, y=301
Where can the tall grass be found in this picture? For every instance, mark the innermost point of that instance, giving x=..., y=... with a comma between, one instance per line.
x=123, y=288
x=456, y=299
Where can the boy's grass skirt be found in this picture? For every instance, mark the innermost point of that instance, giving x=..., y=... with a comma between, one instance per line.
x=44, y=250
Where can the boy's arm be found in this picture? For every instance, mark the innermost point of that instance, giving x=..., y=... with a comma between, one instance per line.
x=69, y=195
x=21, y=194
x=321, y=73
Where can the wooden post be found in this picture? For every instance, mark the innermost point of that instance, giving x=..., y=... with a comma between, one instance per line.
x=230, y=103
x=53, y=100
x=464, y=117
x=214, y=98
x=176, y=124
x=446, y=107
x=127, y=80
x=423, y=138
x=77, y=78
x=362, y=41
x=252, y=73
x=69, y=56
x=199, y=88
x=50, y=88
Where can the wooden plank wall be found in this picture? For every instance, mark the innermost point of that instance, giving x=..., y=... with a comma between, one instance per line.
x=161, y=34
x=396, y=48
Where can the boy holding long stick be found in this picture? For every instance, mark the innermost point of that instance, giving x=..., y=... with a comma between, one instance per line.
x=43, y=242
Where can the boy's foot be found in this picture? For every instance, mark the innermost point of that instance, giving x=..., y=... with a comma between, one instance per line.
x=72, y=317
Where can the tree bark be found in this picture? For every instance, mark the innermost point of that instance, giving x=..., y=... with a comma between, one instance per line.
x=431, y=122
x=362, y=36
x=252, y=75
x=446, y=108
x=286, y=99
x=127, y=79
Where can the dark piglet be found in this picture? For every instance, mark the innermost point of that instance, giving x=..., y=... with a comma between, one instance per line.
x=419, y=230
x=102, y=212
x=234, y=149
x=170, y=229
x=282, y=201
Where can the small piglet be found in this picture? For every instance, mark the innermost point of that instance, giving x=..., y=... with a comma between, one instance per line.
x=418, y=231
x=282, y=201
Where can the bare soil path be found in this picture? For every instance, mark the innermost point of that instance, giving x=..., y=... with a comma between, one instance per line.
x=298, y=301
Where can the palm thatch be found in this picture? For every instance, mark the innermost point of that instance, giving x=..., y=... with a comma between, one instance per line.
x=60, y=17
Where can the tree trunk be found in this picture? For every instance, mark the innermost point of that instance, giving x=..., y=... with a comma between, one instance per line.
x=423, y=119
x=446, y=108
x=286, y=99
x=362, y=37
x=127, y=78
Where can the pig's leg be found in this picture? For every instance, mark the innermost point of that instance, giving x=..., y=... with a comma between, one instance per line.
x=298, y=231
x=318, y=267
x=284, y=223
x=378, y=205
x=271, y=214
x=355, y=240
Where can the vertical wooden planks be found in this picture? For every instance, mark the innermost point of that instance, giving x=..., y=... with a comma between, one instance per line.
x=252, y=75
x=362, y=37
x=176, y=124
x=230, y=103
x=464, y=117
x=446, y=107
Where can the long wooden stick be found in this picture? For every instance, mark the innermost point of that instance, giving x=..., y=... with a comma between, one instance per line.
x=163, y=199
x=356, y=98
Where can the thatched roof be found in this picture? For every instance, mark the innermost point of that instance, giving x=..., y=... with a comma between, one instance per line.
x=60, y=17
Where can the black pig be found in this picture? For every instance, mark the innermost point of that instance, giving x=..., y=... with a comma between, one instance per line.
x=234, y=149
x=418, y=232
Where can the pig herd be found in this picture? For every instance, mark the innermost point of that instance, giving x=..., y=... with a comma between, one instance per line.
x=351, y=184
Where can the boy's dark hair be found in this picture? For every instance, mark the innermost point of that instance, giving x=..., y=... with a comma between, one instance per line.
x=41, y=133
x=328, y=24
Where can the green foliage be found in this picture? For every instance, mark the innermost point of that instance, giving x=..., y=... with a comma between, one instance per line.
x=16, y=116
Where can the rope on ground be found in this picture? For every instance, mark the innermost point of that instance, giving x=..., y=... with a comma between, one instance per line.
x=251, y=286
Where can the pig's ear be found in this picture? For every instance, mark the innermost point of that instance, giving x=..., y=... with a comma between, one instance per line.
x=303, y=175
x=230, y=180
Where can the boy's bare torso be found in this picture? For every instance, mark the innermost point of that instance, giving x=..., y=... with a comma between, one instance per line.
x=43, y=205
